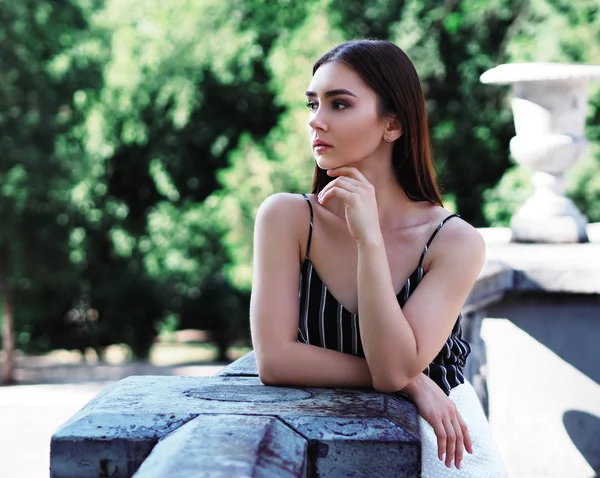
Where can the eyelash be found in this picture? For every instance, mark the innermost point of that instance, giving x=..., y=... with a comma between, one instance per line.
x=336, y=105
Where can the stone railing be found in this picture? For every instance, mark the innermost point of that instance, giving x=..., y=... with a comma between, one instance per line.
x=232, y=425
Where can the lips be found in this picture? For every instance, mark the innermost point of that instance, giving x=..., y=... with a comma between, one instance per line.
x=320, y=144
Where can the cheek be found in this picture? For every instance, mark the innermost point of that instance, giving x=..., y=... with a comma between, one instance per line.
x=361, y=133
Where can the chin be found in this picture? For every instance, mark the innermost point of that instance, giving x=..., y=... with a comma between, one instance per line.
x=327, y=163
x=331, y=163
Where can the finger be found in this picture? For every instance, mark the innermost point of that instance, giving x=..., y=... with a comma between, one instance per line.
x=333, y=192
x=458, y=453
x=440, y=433
x=349, y=180
x=466, y=434
x=347, y=183
x=450, y=442
x=339, y=182
x=348, y=171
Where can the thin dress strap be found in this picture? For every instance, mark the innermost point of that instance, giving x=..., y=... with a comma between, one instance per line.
x=311, y=225
x=437, y=229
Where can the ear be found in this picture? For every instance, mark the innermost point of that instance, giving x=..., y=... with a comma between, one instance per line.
x=393, y=129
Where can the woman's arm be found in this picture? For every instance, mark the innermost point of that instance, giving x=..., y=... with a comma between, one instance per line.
x=399, y=343
x=281, y=220
x=415, y=334
x=274, y=306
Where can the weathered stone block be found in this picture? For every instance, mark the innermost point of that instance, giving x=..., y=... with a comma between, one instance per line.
x=116, y=431
x=108, y=444
x=352, y=447
x=227, y=446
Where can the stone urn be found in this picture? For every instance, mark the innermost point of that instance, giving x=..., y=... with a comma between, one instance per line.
x=549, y=106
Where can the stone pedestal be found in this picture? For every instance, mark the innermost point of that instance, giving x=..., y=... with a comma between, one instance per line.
x=549, y=106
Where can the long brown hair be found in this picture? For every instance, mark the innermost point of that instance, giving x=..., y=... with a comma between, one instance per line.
x=388, y=71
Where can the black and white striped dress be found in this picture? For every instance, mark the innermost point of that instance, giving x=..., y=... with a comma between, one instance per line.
x=326, y=323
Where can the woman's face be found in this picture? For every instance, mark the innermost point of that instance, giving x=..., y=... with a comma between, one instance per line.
x=344, y=125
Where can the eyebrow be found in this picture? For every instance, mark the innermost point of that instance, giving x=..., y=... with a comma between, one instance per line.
x=330, y=93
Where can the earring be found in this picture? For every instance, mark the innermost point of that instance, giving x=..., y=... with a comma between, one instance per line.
x=387, y=139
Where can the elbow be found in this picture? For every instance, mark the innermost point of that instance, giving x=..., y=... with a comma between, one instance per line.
x=390, y=384
x=267, y=371
x=267, y=377
x=392, y=380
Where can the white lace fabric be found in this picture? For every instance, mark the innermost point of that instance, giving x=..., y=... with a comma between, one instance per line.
x=486, y=460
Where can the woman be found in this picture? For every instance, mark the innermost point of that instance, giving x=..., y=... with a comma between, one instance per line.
x=350, y=288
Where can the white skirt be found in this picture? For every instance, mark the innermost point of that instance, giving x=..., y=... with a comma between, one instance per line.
x=485, y=462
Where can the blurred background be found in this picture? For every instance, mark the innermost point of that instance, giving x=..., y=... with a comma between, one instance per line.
x=138, y=139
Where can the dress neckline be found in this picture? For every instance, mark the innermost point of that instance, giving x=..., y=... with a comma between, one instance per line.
x=330, y=294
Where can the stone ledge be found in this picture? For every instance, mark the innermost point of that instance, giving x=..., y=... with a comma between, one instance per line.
x=138, y=416
x=562, y=268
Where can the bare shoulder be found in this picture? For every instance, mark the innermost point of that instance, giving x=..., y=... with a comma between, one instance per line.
x=460, y=242
x=283, y=215
x=461, y=233
x=283, y=210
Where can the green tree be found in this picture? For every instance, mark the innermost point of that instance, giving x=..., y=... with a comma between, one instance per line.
x=174, y=105
x=38, y=166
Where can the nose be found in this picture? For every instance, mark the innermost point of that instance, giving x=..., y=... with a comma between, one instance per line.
x=317, y=120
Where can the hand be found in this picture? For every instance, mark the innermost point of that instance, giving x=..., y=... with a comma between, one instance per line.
x=360, y=205
x=440, y=412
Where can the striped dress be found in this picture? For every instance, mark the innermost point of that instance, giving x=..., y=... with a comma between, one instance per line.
x=326, y=323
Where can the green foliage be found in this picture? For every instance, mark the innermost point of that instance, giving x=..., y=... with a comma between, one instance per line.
x=171, y=106
x=39, y=165
x=140, y=138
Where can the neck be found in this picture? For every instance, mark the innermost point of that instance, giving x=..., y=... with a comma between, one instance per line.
x=393, y=206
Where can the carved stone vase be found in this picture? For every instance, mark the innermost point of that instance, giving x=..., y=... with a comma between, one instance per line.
x=549, y=107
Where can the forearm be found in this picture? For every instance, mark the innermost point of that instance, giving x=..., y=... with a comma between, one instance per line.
x=303, y=365
x=413, y=387
x=387, y=338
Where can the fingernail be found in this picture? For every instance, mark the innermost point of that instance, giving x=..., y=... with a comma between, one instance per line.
x=458, y=465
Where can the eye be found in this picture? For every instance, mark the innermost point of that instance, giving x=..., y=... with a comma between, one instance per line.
x=339, y=105
x=312, y=105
